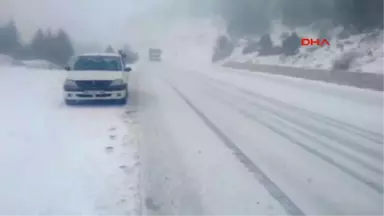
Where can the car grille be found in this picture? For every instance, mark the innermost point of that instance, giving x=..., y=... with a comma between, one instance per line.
x=93, y=85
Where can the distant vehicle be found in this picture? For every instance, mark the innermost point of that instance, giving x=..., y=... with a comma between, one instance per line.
x=100, y=76
x=155, y=54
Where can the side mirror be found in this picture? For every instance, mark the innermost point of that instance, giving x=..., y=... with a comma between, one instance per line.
x=128, y=69
x=67, y=68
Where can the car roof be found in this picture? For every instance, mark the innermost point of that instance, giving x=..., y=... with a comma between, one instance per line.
x=100, y=54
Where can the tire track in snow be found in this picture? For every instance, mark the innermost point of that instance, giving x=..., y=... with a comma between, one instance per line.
x=311, y=150
x=272, y=111
x=281, y=107
x=310, y=137
x=316, y=139
x=166, y=187
x=375, y=137
x=320, y=120
x=289, y=206
x=324, y=157
x=132, y=108
x=317, y=131
x=284, y=108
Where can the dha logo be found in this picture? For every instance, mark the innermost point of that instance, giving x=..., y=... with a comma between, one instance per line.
x=312, y=42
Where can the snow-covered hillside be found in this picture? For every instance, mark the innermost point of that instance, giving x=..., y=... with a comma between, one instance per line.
x=367, y=48
x=192, y=41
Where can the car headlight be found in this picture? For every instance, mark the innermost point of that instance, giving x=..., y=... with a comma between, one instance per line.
x=70, y=83
x=117, y=82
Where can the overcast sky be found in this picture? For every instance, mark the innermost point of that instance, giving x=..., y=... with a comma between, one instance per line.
x=85, y=20
x=139, y=23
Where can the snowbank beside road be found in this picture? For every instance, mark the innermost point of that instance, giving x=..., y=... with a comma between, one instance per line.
x=56, y=159
x=40, y=64
x=7, y=61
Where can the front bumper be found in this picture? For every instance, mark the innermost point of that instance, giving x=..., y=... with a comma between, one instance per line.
x=88, y=92
x=95, y=95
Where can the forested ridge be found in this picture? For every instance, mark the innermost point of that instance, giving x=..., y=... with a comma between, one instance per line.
x=255, y=16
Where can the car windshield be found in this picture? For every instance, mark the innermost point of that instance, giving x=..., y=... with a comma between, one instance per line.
x=108, y=63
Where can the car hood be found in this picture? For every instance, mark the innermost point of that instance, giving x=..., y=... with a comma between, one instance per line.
x=95, y=75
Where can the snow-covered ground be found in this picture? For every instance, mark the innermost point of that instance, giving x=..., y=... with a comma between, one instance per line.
x=40, y=64
x=6, y=60
x=58, y=160
x=222, y=141
x=194, y=139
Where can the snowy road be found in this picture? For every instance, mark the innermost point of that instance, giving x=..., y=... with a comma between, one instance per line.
x=221, y=141
x=56, y=159
x=209, y=141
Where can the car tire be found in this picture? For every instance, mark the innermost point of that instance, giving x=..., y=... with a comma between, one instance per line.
x=70, y=102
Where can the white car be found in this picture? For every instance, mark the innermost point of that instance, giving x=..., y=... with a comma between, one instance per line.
x=100, y=76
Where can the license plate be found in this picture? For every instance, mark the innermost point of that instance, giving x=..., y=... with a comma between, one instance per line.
x=93, y=92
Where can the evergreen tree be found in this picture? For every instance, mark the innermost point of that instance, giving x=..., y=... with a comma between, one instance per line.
x=245, y=17
x=37, y=44
x=9, y=38
x=56, y=48
x=49, y=48
x=63, y=48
